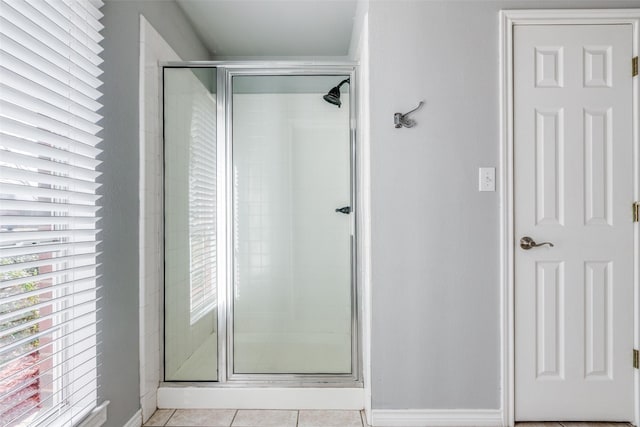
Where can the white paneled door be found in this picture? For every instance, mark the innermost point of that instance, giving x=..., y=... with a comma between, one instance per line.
x=573, y=180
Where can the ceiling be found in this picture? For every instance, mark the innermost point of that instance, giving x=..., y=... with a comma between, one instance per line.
x=273, y=27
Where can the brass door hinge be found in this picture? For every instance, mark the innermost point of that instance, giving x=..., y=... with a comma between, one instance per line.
x=636, y=211
x=634, y=66
x=636, y=359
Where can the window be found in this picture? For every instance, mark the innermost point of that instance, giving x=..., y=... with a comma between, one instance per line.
x=49, y=80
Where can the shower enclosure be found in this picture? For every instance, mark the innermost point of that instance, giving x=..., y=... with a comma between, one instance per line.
x=260, y=225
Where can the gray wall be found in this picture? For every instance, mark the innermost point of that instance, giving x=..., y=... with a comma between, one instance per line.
x=435, y=237
x=119, y=371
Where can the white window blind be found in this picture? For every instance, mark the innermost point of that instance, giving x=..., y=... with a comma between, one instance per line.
x=202, y=203
x=49, y=102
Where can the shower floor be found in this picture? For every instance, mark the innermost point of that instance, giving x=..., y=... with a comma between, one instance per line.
x=292, y=353
x=272, y=354
x=203, y=363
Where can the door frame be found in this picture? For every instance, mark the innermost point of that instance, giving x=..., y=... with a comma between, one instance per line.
x=280, y=391
x=226, y=373
x=508, y=20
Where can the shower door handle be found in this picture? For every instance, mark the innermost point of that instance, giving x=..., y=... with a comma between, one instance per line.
x=345, y=210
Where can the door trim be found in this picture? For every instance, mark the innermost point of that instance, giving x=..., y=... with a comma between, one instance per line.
x=509, y=19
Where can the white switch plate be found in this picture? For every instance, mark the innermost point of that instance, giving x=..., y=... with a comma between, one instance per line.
x=487, y=179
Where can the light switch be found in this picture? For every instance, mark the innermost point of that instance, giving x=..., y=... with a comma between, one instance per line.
x=487, y=179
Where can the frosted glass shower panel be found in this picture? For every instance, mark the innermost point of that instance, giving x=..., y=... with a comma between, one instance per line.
x=190, y=235
x=292, y=294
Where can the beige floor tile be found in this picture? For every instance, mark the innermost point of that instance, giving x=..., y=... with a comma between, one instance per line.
x=571, y=424
x=160, y=417
x=594, y=424
x=202, y=417
x=329, y=419
x=265, y=418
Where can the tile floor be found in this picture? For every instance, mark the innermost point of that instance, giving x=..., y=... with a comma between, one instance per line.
x=280, y=418
x=573, y=424
x=253, y=418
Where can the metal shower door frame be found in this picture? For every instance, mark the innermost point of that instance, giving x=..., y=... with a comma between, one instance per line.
x=225, y=73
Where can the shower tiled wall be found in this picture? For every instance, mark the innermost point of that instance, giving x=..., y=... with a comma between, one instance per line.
x=292, y=272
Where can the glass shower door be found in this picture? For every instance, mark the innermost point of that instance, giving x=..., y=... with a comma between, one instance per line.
x=292, y=310
x=190, y=225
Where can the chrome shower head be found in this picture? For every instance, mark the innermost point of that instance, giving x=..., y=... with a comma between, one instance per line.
x=333, y=97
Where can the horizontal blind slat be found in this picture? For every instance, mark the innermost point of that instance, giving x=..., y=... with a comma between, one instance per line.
x=57, y=13
x=22, y=130
x=74, y=259
x=42, y=47
x=31, y=27
x=45, y=94
x=97, y=3
x=33, y=118
x=43, y=79
x=44, y=318
x=48, y=289
x=45, y=108
x=27, y=237
x=45, y=248
x=26, y=221
x=42, y=361
x=89, y=326
x=66, y=169
x=42, y=372
x=25, y=177
x=81, y=10
x=54, y=274
x=66, y=208
x=40, y=192
x=44, y=20
x=42, y=402
x=95, y=12
x=66, y=337
x=77, y=153
x=29, y=339
x=67, y=19
x=36, y=62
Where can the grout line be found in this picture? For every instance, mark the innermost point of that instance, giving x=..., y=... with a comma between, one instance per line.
x=362, y=418
x=170, y=416
x=235, y=414
x=297, y=418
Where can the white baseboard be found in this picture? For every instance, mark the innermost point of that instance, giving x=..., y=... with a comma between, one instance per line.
x=136, y=420
x=260, y=398
x=149, y=404
x=436, y=417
